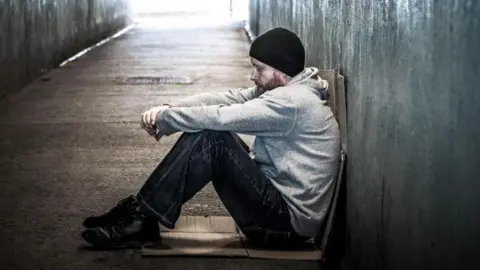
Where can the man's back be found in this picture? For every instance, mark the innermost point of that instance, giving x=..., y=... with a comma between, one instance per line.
x=303, y=162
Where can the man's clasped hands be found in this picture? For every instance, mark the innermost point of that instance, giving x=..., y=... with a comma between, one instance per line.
x=148, y=121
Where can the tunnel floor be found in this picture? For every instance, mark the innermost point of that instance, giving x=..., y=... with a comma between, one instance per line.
x=71, y=144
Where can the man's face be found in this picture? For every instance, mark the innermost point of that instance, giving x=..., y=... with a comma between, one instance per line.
x=264, y=76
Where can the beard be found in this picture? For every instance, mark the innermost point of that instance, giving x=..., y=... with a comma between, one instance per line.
x=271, y=84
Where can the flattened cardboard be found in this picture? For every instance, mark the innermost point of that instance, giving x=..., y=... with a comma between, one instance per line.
x=219, y=237
x=342, y=111
x=197, y=244
x=307, y=251
x=203, y=224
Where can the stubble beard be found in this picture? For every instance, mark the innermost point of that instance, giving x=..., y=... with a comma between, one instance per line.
x=275, y=82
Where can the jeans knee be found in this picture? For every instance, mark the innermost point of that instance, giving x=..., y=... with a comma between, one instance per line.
x=206, y=137
x=215, y=134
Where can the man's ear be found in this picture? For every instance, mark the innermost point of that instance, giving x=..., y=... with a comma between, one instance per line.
x=283, y=78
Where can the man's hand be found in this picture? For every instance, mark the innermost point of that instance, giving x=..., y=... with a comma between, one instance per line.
x=148, y=120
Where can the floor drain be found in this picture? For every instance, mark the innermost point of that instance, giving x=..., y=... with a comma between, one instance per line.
x=154, y=80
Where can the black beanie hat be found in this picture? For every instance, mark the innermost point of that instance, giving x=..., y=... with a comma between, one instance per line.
x=280, y=49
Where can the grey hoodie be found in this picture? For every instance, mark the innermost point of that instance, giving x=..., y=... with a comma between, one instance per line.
x=297, y=139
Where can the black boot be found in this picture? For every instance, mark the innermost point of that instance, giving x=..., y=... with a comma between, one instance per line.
x=111, y=216
x=131, y=229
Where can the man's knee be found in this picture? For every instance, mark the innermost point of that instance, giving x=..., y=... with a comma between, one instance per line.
x=205, y=137
x=214, y=134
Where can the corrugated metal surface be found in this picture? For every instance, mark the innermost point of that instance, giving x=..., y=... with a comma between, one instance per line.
x=36, y=35
x=412, y=72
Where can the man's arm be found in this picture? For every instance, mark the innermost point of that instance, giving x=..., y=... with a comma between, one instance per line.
x=218, y=98
x=268, y=115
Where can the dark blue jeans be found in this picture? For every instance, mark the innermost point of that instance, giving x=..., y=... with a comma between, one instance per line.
x=221, y=157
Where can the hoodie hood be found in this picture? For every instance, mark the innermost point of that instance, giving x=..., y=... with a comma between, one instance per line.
x=309, y=77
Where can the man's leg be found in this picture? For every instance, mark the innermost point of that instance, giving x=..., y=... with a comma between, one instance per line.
x=123, y=205
x=128, y=224
x=198, y=158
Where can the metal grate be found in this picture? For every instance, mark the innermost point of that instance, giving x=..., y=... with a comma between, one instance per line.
x=154, y=80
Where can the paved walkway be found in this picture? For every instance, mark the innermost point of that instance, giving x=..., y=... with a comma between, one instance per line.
x=71, y=146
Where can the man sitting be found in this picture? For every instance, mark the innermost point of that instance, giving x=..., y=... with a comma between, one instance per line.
x=278, y=193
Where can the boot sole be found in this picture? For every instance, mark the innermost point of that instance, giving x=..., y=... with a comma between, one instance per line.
x=123, y=245
x=129, y=244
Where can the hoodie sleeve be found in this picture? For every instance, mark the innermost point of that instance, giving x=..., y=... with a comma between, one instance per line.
x=268, y=115
x=219, y=98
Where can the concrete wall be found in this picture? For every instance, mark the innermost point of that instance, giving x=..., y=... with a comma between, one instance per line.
x=38, y=35
x=412, y=70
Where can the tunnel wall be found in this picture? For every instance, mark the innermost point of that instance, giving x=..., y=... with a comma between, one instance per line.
x=412, y=71
x=38, y=35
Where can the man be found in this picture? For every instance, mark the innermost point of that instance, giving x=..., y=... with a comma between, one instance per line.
x=279, y=193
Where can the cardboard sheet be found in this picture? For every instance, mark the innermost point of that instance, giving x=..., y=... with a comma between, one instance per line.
x=219, y=236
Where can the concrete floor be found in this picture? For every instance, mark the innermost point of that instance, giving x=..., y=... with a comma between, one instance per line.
x=71, y=146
